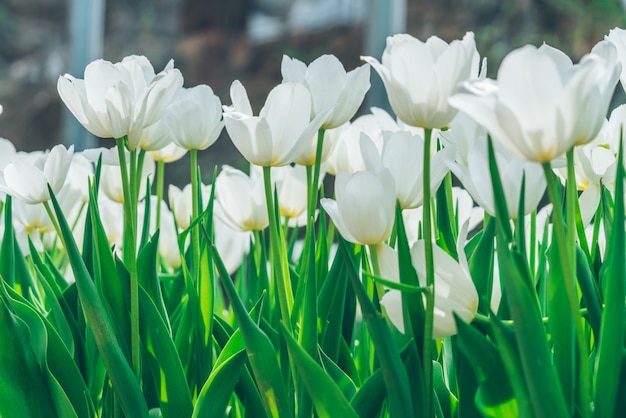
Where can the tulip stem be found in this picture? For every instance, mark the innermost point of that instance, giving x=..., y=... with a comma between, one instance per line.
x=195, y=236
x=159, y=190
x=430, y=281
x=130, y=256
x=53, y=219
x=313, y=179
x=278, y=254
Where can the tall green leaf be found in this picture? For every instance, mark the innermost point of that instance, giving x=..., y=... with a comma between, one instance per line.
x=327, y=398
x=125, y=384
x=611, y=346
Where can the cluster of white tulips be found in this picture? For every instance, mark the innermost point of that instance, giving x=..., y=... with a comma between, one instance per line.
x=506, y=141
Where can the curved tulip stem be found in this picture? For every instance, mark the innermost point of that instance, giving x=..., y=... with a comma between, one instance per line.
x=54, y=221
x=130, y=255
x=430, y=281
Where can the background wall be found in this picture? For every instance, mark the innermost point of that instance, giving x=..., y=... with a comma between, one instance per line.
x=218, y=41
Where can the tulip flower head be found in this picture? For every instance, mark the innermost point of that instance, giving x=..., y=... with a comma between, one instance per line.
x=543, y=104
x=454, y=289
x=402, y=155
x=331, y=87
x=117, y=100
x=194, y=118
x=240, y=200
x=27, y=178
x=420, y=76
x=180, y=203
x=365, y=207
x=280, y=133
x=169, y=153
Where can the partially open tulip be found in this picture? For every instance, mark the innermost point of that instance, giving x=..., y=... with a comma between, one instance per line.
x=543, y=104
x=111, y=179
x=27, y=178
x=330, y=86
x=120, y=99
x=240, y=200
x=180, y=203
x=402, y=155
x=365, y=207
x=194, y=118
x=280, y=133
x=454, y=289
x=471, y=166
x=420, y=76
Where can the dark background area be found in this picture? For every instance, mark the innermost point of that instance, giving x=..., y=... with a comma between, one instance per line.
x=209, y=43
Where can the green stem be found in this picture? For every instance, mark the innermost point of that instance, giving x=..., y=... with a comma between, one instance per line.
x=159, y=190
x=53, y=219
x=278, y=257
x=130, y=255
x=313, y=179
x=571, y=202
x=566, y=246
x=430, y=281
x=195, y=236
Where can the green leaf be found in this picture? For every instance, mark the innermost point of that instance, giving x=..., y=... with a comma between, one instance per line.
x=24, y=392
x=447, y=401
x=343, y=381
x=331, y=303
x=394, y=373
x=148, y=276
x=611, y=346
x=326, y=395
x=544, y=390
x=590, y=293
x=174, y=395
x=7, y=248
x=495, y=396
x=480, y=263
x=125, y=383
x=260, y=351
x=218, y=389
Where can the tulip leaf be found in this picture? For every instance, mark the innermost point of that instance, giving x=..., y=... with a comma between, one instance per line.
x=394, y=373
x=175, y=399
x=331, y=302
x=495, y=396
x=217, y=390
x=24, y=392
x=260, y=351
x=402, y=287
x=610, y=358
x=327, y=398
x=148, y=277
x=544, y=391
x=480, y=263
x=590, y=292
x=343, y=381
x=124, y=382
x=7, y=247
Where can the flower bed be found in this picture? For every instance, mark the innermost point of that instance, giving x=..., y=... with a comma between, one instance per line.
x=257, y=295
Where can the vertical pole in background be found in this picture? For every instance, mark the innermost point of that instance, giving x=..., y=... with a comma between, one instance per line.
x=86, y=30
x=386, y=17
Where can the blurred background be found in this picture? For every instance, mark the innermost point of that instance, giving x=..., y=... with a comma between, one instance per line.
x=218, y=41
